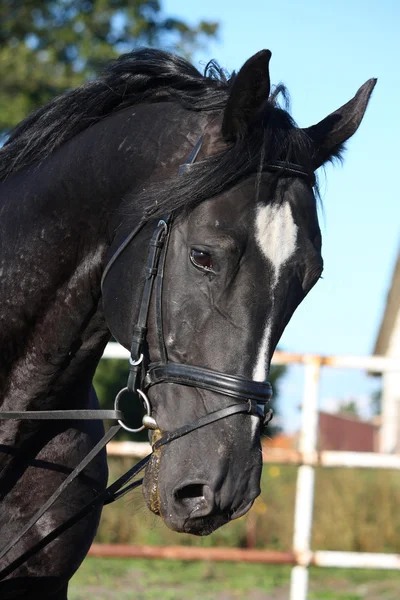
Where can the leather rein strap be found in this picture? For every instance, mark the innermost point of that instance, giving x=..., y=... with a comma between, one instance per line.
x=95, y=414
x=110, y=494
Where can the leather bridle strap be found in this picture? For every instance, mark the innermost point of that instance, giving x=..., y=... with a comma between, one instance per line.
x=244, y=407
x=120, y=250
x=140, y=329
x=291, y=170
x=192, y=156
x=222, y=383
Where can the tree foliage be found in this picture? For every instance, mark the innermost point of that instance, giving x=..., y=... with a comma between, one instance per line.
x=48, y=46
x=349, y=408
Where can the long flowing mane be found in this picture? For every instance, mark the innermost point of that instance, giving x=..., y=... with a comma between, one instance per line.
x=148, y=76
x=145, y=75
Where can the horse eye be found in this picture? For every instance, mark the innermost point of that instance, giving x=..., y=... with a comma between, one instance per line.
x=201, y=259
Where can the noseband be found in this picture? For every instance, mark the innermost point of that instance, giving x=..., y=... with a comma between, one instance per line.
x=254, y=395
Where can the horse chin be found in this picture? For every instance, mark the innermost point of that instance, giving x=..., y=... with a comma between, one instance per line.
x=202, y=525
x=196, y=526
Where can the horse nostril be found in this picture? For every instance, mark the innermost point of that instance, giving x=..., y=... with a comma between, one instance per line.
x=194, y=490
x=195, y=498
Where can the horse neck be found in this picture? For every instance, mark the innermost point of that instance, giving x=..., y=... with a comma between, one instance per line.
x=55, y=236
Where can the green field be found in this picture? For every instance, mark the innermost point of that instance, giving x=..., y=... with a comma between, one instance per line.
x=138, y=579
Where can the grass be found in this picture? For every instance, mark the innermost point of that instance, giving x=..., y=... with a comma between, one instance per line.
x=171, y=580
x=142, y=579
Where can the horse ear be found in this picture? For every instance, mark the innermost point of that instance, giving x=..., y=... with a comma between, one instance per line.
x=249, y=92
x=330, y=134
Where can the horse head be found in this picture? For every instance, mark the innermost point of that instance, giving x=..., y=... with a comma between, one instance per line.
x=239, y=254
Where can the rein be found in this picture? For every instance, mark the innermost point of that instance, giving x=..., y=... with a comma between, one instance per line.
x=254, y=395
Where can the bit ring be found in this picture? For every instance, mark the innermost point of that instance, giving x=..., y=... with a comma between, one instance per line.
x=146, y=404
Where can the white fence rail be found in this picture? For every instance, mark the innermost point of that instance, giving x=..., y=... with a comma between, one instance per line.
x=308, y=457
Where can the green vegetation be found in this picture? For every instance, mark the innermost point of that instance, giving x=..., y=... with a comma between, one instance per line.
x=354, y=510
x=48, y=46
x=123, y=579
x=177, y=580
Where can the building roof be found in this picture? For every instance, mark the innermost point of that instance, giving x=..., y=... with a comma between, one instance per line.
x=391, y=313
x=346, y=433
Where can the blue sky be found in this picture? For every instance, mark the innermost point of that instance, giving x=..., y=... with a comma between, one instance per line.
x=323, y=52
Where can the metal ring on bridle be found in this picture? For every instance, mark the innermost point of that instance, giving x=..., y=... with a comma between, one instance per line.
x=146, y=403
x=162, y=223
x=134, y=363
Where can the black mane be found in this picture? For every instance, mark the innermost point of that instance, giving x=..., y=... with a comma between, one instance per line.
x=148, y=75
x=145, y=75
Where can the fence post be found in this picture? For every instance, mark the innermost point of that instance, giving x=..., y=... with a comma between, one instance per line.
x=305, y=480
x=390, y=412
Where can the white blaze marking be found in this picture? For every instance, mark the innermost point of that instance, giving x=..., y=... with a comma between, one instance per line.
x=260, y=370
x=276, y=236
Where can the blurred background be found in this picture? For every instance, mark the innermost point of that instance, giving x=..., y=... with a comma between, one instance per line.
x=323, y=52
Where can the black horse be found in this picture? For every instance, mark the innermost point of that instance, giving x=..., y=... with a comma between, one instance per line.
x=244, y=248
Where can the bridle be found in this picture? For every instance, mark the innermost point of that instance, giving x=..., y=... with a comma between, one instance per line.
x=254, y=396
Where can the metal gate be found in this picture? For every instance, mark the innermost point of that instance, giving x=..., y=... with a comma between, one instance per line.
x=308, y=458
